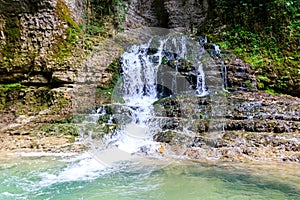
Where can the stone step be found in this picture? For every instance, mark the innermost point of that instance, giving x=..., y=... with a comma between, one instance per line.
x=285, y=141
x=221, y=124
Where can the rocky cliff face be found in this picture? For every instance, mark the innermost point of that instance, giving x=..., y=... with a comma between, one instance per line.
x=189, y=16
x=35, y=55
x=182, y=14
x=78, y=9
x=33, y=35
x=47, y=69
x=35, y=50
x=37, y=37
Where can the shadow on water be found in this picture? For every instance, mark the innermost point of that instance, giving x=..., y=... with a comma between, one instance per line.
x=235, y=178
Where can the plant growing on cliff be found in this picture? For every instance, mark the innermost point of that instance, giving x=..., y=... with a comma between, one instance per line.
x=266, y=34
x=7, y=93
x=105, y=90
x=64, y=13
x=61, y=129
x=104, y=15
x=72, y=35
x=10, y=86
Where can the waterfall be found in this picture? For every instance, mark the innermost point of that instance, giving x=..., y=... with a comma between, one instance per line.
x=164, y=66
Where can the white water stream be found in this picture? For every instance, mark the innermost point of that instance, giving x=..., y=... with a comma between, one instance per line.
x=140, y=73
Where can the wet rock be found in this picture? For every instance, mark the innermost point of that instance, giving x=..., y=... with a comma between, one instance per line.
x=258, y=126
x=174, y=138
x=165, y=136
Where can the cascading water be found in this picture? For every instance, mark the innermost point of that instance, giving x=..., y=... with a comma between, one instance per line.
x=164, y=66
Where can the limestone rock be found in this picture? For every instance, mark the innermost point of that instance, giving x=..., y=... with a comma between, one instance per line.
x=63, y=77
x=168, y=14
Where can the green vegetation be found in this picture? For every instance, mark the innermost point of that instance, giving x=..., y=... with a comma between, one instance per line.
x=248, y=84
x=98, y=131
x=101, y=21
x=70, y=39
x=7, y=91
x=266, y=34
x=105, y=15
x=12, y=34
x=60, y=129
x=105, y=90
x=31, y=100
x=10, y=54
x=164, y=136
x=64, y=13
x=113, y=70
x=12, y=30
x=11, y=86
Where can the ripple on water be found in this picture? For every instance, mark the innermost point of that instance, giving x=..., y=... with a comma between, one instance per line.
x=83, y=177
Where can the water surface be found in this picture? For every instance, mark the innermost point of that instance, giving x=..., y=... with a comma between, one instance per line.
x=82, y=177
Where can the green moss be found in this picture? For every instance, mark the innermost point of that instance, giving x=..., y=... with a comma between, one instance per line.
x=60, y=129
x=271, y=91
x=105, y=16
x=114, y=66
x=12, y=29
x=31, y=100
x=267, y=36
x=68, y=42
x=107, y=128
x=263, y=78
x=75, y=118
x=8, y=93
x=164, y=136
x=13, y=35
x=161, y=101
x=105, y=91
x=104, y=119
x=98, y=131
x=11, y=86
x=64, y=13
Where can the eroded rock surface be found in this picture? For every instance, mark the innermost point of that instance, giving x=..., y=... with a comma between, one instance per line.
x=254, y=126
x=184, y=15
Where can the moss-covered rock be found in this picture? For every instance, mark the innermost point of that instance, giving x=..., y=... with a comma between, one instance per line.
x=264, y=34
x=60, y=129
x=13, y=36
x=31, y=100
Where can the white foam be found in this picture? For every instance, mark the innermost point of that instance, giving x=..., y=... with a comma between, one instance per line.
x=8, y=194
x=84, y=168
x=134, y=137
x=46, y=154
x=111, y=156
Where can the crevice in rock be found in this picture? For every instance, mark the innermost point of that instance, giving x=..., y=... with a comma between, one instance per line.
x=161, y=14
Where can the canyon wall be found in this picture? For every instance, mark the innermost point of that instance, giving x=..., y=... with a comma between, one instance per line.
x=185, y=15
